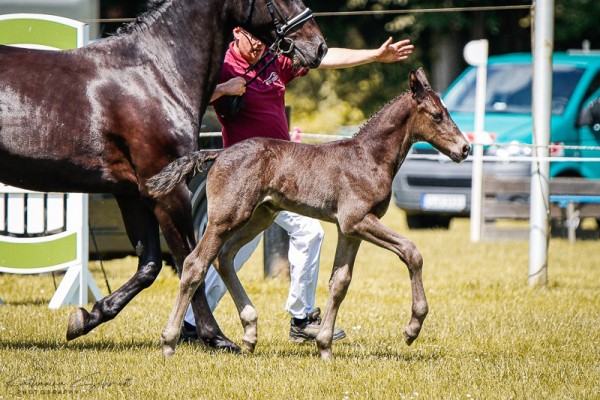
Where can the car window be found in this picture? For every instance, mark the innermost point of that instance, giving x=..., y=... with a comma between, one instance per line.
x=509, y=89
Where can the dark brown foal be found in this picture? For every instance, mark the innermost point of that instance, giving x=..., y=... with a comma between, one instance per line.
x=347, y=182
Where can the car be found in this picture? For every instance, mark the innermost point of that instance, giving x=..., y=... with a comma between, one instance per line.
x=432, y=190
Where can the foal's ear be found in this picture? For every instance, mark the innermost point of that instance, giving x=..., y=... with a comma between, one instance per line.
x=418, y=84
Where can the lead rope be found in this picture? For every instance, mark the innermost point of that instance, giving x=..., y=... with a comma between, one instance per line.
x=233, y=104
x=99, y=258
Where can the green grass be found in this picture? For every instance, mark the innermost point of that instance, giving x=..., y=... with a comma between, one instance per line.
x=488, y=335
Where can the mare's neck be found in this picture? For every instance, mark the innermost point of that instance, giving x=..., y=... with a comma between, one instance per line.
x=187, y=39
x=386, y=137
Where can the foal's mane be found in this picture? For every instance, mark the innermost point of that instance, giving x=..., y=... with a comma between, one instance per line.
x=155, y=9
x=375, y=117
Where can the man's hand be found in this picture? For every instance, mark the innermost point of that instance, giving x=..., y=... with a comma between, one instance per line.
x=392, y=52
x=233, y=87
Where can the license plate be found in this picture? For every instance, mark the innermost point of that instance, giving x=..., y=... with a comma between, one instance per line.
x=443, y=202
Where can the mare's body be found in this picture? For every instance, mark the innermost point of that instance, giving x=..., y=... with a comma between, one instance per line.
x=106, y=117
x=346, y=182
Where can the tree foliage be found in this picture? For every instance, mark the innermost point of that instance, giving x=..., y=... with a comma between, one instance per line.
x=327, y=98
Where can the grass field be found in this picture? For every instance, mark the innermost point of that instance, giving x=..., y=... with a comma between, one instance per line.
x=487, y=336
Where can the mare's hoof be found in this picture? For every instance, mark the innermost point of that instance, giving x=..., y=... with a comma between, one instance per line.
x=77, y=322
x=221, y=343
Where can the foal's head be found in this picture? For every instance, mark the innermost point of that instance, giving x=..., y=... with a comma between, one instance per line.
x=287, y=20
x=431, y=122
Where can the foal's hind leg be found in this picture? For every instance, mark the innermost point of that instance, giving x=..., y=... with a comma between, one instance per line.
x=195, y=267
x=174, y=215
x=142, y=229
x=261, y=220
x=341, y=275
x=372, y=230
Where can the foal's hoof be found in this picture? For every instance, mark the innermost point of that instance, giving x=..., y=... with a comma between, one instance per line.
x=326, y=354
x=409, y=338
x=168, y=350
x=249, y=346
x=77, y=323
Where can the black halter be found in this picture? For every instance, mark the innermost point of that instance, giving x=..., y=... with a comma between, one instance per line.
x=283, y=26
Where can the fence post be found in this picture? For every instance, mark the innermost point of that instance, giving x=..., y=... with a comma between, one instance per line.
x=476, y=54
x=539, y=237
x=276, y=241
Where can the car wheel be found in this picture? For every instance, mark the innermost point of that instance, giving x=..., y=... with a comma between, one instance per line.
x=200, y=219
x=199, y=204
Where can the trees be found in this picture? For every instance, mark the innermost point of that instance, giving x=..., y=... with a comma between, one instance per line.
x=326, y=99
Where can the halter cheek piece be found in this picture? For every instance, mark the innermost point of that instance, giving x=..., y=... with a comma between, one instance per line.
x=282, y=45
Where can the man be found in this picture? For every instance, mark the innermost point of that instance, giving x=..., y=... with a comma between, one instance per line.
x=263, y=115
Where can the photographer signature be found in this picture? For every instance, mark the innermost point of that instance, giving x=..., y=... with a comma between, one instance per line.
x=83, y=384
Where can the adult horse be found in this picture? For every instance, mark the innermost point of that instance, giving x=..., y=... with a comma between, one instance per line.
x=106, y=117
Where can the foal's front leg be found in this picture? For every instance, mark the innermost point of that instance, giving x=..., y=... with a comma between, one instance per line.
x=341, y=275
x=372, y=230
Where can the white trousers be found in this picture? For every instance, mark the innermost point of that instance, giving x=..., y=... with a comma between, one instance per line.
x=306, y=237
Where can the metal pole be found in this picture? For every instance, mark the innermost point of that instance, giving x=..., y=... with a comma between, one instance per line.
x=476, y=54
x=539, y=232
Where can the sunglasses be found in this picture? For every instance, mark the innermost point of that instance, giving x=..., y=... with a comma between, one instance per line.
x=250, y=38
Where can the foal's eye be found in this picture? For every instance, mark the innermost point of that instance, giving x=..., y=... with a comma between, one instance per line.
x=437, y=117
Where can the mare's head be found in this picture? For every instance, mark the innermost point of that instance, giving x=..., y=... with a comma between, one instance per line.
x=431, y=123
x=289, y=24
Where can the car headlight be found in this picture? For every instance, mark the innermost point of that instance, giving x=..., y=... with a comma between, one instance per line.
x=512, y=149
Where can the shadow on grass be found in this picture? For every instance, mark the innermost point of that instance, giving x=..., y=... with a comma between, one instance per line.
x=37, y=302
x=281, y=350
x=102, y=345
x=350, y=351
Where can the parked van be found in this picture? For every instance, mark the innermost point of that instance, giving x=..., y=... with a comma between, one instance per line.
x=434, y=190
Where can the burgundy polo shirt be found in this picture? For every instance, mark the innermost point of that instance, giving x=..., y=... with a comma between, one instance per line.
x=263, y=114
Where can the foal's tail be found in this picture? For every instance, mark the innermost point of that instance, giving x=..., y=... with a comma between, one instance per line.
x=163, y=182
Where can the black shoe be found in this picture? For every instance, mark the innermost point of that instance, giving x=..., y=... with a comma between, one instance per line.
x=188, y=333
x=308, y=329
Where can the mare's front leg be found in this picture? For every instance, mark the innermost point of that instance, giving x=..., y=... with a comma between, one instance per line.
x=261, y=220
x=142, y=228
x=341, y=276
x=372, y=230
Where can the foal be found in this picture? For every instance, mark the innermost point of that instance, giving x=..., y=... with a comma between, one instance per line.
x=347, y=182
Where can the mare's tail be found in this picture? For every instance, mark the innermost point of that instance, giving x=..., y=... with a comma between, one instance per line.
x=163, y=182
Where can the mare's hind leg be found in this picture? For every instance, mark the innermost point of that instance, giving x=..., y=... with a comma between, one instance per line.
x=142, y=229
x=261, y=220
x=372, y=230
x=341, y=275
